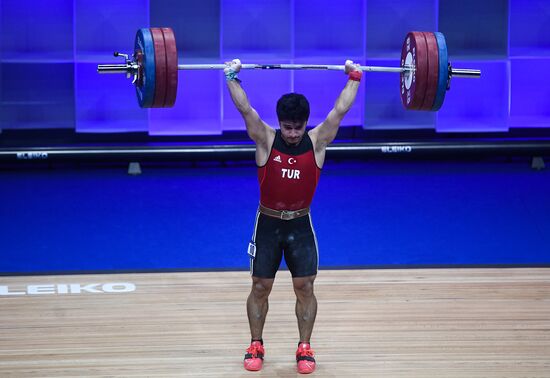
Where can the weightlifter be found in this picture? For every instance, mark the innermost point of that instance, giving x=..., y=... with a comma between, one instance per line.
x=289, y=162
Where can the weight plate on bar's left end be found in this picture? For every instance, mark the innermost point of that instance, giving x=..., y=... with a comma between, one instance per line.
x=433, y=71
x=160, y=68
x=171, y=67
x=145, y=49
x=443, y=76
x=413, y=84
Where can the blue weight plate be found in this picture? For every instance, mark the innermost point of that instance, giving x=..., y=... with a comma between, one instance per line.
x=144, y=50
x=443, y=71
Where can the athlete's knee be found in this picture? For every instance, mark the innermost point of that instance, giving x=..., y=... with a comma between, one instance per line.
x=303, y=286
x=261, y=287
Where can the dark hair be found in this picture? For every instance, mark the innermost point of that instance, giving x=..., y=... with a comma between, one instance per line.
x=293, y=107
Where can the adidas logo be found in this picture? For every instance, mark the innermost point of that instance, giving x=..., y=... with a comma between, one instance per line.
x=277, y=159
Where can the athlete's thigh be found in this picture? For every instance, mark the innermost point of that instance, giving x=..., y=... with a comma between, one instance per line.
x=301, y=252
x=268, y=247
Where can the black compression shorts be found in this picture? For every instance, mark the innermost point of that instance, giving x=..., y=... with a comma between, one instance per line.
x=294, y=238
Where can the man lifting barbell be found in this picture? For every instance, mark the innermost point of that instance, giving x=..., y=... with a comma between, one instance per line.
x=289, y=160
x=289, y=164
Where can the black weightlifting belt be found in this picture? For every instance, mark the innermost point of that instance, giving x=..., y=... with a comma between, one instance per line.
x=284, y=214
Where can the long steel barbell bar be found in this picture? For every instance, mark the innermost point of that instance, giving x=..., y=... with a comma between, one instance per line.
x=455, y=71
x=132, y=66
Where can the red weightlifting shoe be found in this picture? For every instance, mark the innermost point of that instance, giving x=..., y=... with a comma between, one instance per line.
x=254, y=357
x=304, y=358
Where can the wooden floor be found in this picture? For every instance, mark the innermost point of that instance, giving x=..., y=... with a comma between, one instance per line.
x=371, y=323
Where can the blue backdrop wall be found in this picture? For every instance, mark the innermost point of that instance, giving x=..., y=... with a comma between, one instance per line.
x=49, y=50
x=391, y=213
x=183, y=217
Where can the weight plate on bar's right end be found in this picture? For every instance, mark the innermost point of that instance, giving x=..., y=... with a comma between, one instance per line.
x=144, y=49
x=433, y=71
x=413, y=84
x=171, y=67
x=443, y=75
x=160, y=68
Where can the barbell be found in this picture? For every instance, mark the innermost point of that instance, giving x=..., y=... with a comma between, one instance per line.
x=425, y=70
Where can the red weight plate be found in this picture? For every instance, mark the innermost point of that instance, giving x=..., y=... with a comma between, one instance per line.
x=413, y=84
x=433, y=71
x=171, y=67
x=160, y=68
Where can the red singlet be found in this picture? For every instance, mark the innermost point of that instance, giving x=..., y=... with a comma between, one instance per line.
x=289, y=178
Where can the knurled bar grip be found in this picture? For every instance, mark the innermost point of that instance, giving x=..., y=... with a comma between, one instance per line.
x=458, y=72
x=291, y=67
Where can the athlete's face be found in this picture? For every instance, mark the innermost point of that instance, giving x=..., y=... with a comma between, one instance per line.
x=292, y=132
